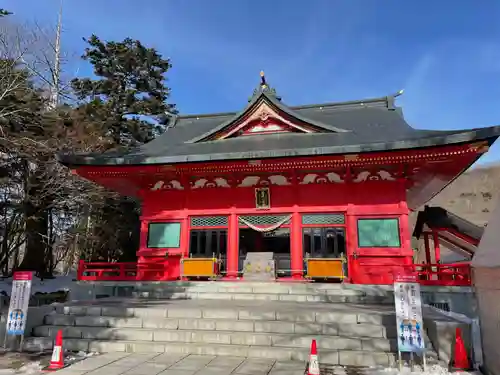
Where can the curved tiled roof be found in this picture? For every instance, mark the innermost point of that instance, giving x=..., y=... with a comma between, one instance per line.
x=350, y=127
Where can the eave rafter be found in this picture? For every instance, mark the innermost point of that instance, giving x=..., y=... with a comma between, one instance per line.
x=390, y=166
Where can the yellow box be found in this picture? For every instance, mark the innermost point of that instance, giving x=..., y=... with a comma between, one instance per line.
x=325, y=268
x=199, y=267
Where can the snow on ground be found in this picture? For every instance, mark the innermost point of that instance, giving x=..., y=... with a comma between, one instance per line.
x=23, y=365
x=59, y=283
x=29, y=368
x=430, y=370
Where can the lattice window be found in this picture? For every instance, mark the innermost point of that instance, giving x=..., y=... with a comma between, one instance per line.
x=264, y=220
x=209, y=221
x=445, y=306
x=322, y=219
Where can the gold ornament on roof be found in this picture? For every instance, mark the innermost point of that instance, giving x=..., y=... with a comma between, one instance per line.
x=263, y=83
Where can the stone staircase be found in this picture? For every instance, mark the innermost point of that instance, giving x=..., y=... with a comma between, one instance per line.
x=352, y=326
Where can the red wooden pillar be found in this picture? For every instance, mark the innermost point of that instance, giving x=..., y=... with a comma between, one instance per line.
x=232, y=247
x=143, y=242
x=185, y=233
x=437, y=250
x=296, y=253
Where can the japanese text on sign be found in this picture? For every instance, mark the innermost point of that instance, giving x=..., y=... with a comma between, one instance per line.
x=409, y=317
x=19, y=302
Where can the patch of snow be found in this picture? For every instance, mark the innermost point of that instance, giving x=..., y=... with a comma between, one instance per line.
x=35, y=367
x=58, y=283
x=72, y=357
x=430, y=370
x=28, y=369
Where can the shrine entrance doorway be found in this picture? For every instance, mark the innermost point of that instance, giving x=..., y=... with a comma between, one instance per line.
x=264, y=246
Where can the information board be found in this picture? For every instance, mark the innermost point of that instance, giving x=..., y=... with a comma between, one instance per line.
x=19, y=302
x=409, y=322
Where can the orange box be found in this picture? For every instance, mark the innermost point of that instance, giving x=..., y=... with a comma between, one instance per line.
x=325, y=268
x=198, y=267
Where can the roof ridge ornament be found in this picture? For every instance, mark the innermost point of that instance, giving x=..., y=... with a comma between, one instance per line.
x=263, y=87
x=391, y=99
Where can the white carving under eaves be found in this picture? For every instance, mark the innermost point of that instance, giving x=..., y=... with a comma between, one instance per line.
x=258, y=180
x=216, y=182
x=369, y=176
x=173, y=184
x=314, y=178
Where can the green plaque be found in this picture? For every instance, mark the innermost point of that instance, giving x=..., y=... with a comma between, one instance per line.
x=164, y=235
x=378, y=233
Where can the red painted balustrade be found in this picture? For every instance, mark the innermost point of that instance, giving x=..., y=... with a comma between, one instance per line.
x=455, y=274
x=130, y=271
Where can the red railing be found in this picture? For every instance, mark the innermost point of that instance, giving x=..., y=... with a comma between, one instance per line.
x=453, y=274
x=131, y=271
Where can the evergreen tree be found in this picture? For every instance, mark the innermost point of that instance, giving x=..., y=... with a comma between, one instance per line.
x=4, y=12
x=128, y=100
x=129, y=95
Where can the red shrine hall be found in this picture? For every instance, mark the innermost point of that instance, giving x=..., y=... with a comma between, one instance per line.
x=276, y=192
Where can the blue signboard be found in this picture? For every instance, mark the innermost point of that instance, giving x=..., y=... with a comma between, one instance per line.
x=409, y=317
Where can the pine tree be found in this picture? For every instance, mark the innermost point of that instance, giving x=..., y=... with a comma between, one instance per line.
x=128, y=100
x=4, y=12
x=129, y=96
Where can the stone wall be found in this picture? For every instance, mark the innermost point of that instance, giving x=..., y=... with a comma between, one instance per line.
x=487, y=283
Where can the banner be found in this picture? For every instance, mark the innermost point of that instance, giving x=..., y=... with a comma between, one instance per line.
x=410, y=329
x=19, y=302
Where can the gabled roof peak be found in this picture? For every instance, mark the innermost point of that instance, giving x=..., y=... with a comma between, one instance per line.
x=263, y=88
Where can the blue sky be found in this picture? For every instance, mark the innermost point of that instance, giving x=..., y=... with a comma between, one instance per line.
x=445, y=54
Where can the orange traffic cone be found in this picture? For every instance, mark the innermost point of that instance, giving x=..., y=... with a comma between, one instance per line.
x=313, y=360
x=57, y=360
x=461, y=360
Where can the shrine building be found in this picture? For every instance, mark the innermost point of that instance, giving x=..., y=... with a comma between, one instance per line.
x=310, y=192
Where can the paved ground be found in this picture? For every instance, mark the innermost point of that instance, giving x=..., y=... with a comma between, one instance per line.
x=172, y=364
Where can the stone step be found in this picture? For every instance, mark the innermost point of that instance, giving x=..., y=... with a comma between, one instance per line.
x=262, y=296
x=296, y=340
x=258, y=287
x=79, y=314
x=243, y=288
x=271, y=326
x=264, y=290
x=330, y=356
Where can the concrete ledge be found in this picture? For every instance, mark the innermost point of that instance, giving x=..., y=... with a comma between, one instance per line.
x=441, y=329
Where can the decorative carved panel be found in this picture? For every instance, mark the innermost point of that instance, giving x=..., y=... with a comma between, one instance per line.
x=250, y=181
x=264, y=118
x=317, y=178
x=204, y=183
x=170, y=185
x=264, y=127
x=381, y=175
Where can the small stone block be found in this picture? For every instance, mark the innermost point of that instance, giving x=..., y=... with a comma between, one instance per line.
x=148, y=368
x=171, y=371
x=226, y=362
x=168, y=358
x=109, y=370
x=192, y=362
